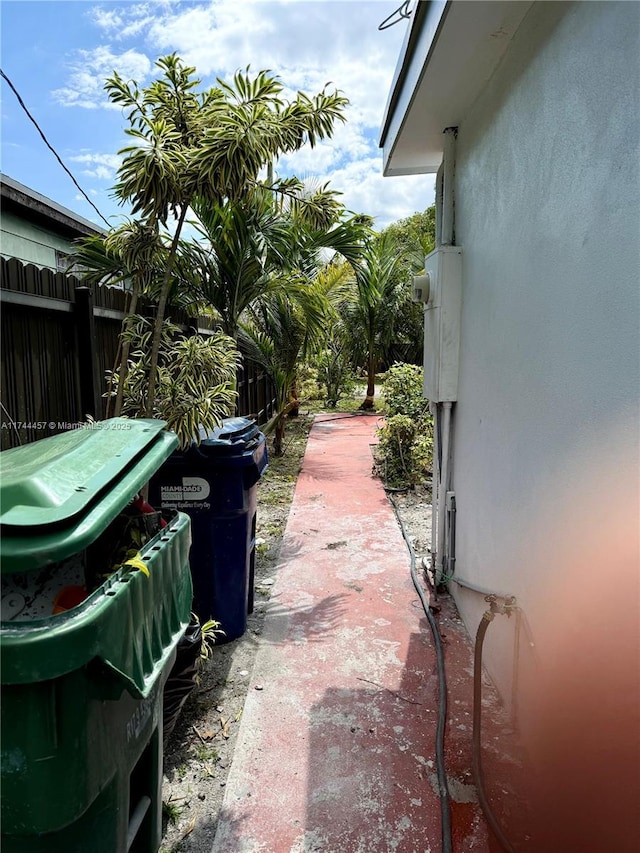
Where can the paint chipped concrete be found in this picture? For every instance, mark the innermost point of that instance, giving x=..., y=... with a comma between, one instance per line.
x=337, y=751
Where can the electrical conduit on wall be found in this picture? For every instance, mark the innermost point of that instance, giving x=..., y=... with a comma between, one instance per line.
x=443, y=421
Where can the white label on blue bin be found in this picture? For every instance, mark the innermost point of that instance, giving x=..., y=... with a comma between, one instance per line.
x=192, y=489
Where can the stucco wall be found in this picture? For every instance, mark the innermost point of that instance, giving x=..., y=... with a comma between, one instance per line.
x=546, y=461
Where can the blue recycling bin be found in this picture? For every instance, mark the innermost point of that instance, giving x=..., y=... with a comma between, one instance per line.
x=215, y=484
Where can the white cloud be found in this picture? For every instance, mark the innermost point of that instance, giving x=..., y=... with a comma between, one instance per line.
x=131, y=20
x=310, y=45
x=349, y=142
x=101, y=166
x=219, y=37
x=102, y=173
x=112, y=160
x=106, y=19
x=307, y=43
x=365, y=190
x=90, y=68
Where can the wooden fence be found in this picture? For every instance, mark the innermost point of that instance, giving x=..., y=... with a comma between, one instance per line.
x=59, y=337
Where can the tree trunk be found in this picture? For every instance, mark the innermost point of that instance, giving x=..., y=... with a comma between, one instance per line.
x=371, y=384
x=294, y=403
x=157, y=327
x=125, y=348
x=117, y=362
x=276, y=425
x=278, y=438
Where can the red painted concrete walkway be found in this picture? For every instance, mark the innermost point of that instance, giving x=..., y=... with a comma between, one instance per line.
x=336, y=750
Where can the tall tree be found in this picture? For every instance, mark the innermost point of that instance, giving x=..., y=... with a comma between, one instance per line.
x=281, y=328
x=210, y=145
x=371, y=312
x=414, y=235
x=253, y=246
x=240, y=254
x=333, y=360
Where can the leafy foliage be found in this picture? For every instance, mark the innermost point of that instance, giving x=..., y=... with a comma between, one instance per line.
x=402, y=391
x=280, y=331
x=196, y=378
x=394, y=458
x=308, y=386
x=211, y=630
x=242, y=248
x=405, y=449
x=194, y=148
x=133, y=250
x=334, y=370
x=332, y=361
x=413, y=238
x=134, y=254
x=414, y=235
x=369, y=316
x=261, y=267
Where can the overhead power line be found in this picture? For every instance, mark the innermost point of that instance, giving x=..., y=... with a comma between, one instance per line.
x=50, y=146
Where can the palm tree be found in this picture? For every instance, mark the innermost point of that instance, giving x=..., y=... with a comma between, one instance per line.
x=371, y=310
x=256, y=245
x=209, y=146
x=334, y=359
x=413, y=237
x=281, y=329
x=243, y=247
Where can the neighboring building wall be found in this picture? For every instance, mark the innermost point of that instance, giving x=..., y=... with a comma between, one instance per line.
x=35, y=229
x=30, y=244
x=545, y=443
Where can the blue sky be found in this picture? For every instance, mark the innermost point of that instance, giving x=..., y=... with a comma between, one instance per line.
x=57, y=54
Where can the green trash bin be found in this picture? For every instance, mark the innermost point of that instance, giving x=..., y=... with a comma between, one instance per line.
x=81, y=710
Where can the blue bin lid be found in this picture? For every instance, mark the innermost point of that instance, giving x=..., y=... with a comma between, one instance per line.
x=233, y=435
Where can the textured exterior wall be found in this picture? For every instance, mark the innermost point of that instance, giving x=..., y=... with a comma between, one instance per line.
x=546, y=428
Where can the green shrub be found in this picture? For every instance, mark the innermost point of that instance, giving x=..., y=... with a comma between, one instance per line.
x=404, y=453
x=393, y=453
x=402, y=391
x=195, y=383
x=307, y=383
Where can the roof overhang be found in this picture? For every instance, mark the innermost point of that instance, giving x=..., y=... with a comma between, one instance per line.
x=21, y=200
x=451, y=50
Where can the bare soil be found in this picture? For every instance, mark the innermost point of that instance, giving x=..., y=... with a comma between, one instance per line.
x=200, y=750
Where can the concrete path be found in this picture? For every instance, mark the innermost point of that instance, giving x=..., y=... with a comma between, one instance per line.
x=336, y=750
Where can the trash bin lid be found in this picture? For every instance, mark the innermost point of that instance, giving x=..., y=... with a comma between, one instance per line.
x=58, y=494
x=234, y=434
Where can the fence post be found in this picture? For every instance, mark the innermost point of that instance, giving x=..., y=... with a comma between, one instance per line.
x=87, y=355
